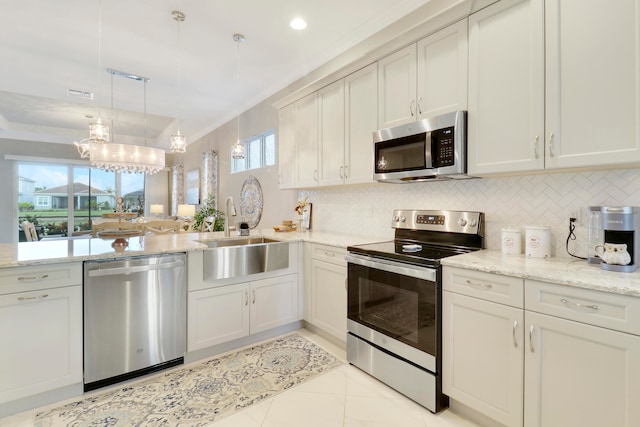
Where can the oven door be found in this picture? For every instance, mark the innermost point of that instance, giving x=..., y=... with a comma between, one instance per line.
x=395, y=306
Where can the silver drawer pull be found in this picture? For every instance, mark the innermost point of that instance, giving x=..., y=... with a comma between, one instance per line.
x=578, y=305
x=515, y=326
x=479, y=285
x=31, y=298
x=44, y=276
x=531, y=338
x=331, y=254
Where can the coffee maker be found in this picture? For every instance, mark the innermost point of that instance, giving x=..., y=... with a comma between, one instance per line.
x=620, y=225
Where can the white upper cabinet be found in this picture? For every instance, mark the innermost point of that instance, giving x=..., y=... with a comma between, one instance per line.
x=424, y=79
x=361, y=120
x=331, y=133
x=442, y=71
x=553, y=84
x=397, y=88
x=286, y=147
x=306, y=140
x=592, y=111
x=506, y=88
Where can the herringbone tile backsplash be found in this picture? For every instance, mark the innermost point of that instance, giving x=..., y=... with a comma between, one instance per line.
x=518, y=201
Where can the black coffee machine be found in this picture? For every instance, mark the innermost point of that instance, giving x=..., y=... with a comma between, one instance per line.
x=620, y=225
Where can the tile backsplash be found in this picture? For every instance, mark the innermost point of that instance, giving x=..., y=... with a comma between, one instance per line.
x=540, y=199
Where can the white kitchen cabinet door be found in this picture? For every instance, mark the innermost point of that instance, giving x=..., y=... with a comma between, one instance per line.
x=442, y=71
x=506, y=88
x=331, y=134
x=482, y=360
x=580, y=375
x=286, y=147
x=593, y=90
x=329, y=298
x=397, y=88
x=217, y=315
x=40, y=341
x=274, y=302
x=306, y=141
x=361, y=120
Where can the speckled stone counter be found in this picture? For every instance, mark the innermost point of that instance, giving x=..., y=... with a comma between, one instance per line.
x=563, y=271
x=67, y=250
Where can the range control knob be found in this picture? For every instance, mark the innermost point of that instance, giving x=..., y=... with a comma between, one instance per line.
x=403, y=218
x=473, y=222
x=462, y=222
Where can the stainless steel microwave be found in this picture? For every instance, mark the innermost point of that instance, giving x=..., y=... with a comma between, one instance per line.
x=433, y=148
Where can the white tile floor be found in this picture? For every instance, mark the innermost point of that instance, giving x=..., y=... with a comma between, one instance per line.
x=343, y=397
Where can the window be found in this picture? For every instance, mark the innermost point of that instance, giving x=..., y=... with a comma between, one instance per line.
x=46, y=199
x=259, y=151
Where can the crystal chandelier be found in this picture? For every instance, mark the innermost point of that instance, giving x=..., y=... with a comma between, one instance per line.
x=178, y=141
x=237, y=151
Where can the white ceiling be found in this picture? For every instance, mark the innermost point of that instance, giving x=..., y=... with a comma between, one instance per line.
x=47, y=47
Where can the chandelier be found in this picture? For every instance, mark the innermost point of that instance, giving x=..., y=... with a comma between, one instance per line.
x=178, y=141
x=113, y=157
x=237, y=151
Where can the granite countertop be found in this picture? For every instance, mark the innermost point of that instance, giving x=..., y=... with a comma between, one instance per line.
x=559, y=270
x=68, y=250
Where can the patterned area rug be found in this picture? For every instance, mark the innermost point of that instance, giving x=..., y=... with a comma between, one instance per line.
x=200, y=394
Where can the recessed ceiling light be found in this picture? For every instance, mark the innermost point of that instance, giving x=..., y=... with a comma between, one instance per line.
x=298, y=24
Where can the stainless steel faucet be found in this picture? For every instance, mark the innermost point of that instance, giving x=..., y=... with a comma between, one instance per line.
x=226, y=214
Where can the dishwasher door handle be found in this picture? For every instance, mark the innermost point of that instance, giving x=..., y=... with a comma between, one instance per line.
x=136, y=269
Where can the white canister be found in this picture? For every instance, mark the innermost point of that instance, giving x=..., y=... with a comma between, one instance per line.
x=538, y=241
x=511, y=241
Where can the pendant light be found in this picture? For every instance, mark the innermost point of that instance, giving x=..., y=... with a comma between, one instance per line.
x=237, y=151
x=126, y=157
x=178, y=141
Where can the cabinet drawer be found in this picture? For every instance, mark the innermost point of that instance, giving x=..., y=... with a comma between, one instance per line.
x=612, y=311
x=487, y=286
x=32, y=278
x=330, y=254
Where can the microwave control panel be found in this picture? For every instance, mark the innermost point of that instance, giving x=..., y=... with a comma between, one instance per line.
x=443, y=147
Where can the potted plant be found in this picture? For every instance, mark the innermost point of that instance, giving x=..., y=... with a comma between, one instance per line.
x=208, y=209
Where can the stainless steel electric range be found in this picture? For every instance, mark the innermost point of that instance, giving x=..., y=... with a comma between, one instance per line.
x=395, y=300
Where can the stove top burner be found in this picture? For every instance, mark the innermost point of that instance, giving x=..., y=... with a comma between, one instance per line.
x=425, y=237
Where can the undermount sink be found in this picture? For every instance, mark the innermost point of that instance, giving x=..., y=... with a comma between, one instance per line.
x=240, y=241
x=228, y=258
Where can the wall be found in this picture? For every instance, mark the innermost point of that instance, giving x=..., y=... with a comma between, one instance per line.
x=520, y=200
x=278, y=204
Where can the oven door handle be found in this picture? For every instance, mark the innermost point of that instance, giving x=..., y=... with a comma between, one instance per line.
x=393, y=267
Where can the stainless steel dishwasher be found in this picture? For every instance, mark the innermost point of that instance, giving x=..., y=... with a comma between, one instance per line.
x=134, y=317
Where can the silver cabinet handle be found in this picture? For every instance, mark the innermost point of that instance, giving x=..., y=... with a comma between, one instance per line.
x=479, y=285
x=44, y=276
x=531, y=338
x=253, y=291
x=551, y=144
x=341, y=174
x=246, y=298
x=578, y=305
x=329, y=254
x=419, y=102
x=411, y=107
x=515, y=326
x=346, y=171
x=32, y=298
x=535, y=147
x=315, y=174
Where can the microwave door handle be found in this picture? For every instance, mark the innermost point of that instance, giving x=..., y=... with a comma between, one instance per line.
x=427, y=151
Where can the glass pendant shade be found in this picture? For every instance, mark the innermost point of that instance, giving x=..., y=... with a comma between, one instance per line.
x=98, y=132
x=237, y=151
x=127, y=158
x=178, y=143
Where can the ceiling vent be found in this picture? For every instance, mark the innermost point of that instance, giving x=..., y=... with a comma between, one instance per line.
x=80, y=93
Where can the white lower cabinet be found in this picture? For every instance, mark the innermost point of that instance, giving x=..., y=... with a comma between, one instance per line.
x=328, y=298
x=221, y=314
x=41, y=333
x=555, y=363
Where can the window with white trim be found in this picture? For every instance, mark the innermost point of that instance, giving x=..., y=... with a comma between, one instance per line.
x=259, y=151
